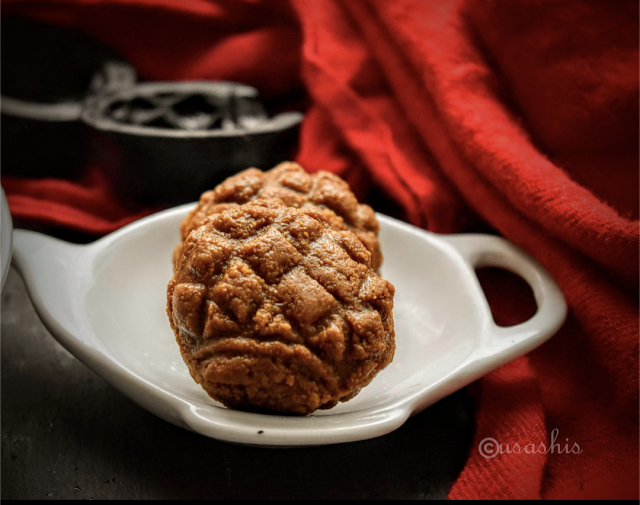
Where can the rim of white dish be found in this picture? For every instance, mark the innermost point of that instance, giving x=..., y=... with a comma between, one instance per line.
x=496, y=346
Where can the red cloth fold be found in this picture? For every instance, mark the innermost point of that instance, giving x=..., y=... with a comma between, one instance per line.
x=524, y=113
x=89, y=205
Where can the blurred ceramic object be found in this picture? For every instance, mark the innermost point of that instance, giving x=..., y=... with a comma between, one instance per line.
x=6, y=236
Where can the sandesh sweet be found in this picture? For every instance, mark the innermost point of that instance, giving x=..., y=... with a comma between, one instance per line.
x=277, y=310
x=290, y=183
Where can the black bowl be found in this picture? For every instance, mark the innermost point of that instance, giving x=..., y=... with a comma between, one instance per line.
x=167, y=142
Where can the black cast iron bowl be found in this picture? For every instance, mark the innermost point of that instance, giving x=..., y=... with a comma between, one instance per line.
x=167, y=142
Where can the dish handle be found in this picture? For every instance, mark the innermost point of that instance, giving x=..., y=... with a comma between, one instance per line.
x=49, y=268
x=505, y=343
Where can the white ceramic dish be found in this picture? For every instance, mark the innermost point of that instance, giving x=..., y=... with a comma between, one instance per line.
x=105, y=303
x=6, y=236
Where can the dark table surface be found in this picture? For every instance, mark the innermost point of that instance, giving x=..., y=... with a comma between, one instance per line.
x=68, y=434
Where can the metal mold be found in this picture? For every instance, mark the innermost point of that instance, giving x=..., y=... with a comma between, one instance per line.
x=170, y=141
x=68, y=101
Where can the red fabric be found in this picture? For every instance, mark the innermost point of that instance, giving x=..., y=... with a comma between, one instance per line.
x=89, y=205
x=524, y=113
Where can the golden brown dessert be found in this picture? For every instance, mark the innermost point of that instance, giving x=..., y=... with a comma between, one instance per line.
x=275, y=310
x=296, y=188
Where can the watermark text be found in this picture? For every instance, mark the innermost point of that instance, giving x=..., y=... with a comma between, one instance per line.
x=490, y=447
